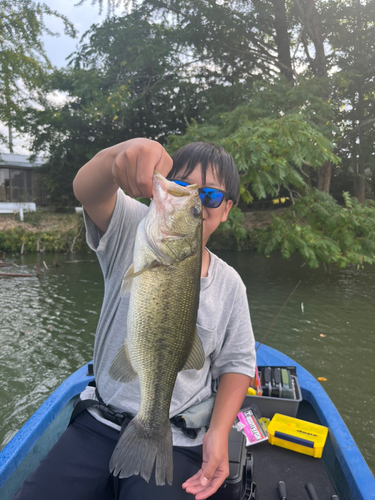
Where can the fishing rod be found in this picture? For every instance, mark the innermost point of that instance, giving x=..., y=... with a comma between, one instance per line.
x=277, y=315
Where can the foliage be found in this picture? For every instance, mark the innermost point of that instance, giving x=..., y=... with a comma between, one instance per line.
x=322, y=231
x=205, y=70
x=229, y=39
x=234, y=223
x=72, y=239
x=350, y=35
x=33, y=218
x=271, y=152
x=23, y=61
x=329, y=43
x=125, y=80
x=129, y=70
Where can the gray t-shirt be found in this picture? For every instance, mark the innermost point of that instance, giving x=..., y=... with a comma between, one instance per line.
x=223, y=322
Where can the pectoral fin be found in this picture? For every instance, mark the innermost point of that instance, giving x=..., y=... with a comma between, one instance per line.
x=127, y=281
x=130, y=275
x=196, y=357
x=121, y=368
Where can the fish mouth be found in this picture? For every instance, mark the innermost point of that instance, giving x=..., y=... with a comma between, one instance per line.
x=172, y=188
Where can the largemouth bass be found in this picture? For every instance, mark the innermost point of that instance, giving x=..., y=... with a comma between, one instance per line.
x=161, y=325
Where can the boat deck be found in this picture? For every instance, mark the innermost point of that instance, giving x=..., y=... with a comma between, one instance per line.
x=348, y=472
x=273, y=464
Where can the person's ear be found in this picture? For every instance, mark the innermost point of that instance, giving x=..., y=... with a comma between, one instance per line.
x=228, y=206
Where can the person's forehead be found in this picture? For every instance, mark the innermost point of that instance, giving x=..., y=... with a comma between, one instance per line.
x=211, y=176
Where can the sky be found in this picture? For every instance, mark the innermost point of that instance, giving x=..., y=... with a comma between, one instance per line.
x=59, y=48
x=82, y=16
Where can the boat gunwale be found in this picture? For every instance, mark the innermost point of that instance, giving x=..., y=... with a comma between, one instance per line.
x=20, y=445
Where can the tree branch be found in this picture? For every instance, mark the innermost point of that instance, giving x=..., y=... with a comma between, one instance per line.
x=352, y=133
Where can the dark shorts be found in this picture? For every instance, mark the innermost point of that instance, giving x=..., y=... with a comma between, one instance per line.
x=77, y=468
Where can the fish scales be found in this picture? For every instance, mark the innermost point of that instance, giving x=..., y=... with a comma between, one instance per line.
x=158, y=358
x=161, y=325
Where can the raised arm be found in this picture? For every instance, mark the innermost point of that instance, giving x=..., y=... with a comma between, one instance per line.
x=128, y=165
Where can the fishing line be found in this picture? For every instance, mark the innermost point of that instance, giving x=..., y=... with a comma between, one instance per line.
x=277, y=315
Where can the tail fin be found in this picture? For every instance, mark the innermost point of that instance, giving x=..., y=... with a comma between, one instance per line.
x=137, y=450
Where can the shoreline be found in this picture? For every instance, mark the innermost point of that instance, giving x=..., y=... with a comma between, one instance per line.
x=48, y=232
x=42, y=232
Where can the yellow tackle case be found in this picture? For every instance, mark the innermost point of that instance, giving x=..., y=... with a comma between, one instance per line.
x=297, y=435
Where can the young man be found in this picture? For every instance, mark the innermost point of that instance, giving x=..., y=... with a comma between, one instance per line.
x=77, y=467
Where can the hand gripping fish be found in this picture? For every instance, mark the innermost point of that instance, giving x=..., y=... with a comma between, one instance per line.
x=161, y=325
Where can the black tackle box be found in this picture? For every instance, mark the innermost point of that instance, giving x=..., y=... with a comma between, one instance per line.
x=239, y=485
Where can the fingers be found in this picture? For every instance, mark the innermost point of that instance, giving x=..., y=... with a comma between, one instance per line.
x=206, y=481
x=165, y=164
x=194, y=480
x=201, y=487
x=208, y=471
x=208, y=491
x=135, y=163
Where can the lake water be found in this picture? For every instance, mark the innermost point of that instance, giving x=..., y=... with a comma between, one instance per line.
x=47, y=329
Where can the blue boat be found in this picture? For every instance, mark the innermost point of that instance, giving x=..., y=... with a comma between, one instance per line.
x=350, y=475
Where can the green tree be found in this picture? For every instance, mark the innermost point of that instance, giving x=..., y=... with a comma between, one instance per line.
x=276, y=147
x=337, y=40
x=126, y=79
x=328, y=42
x=323, y=231
x=23, y=61
x=253, y=77
x=351, y=35
x=144, y=75
x=309, y=19
x=272, y=154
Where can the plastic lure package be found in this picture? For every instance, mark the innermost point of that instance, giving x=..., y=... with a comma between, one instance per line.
x=252, y=424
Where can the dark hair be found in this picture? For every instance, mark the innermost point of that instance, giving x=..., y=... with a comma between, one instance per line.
x=208, y=156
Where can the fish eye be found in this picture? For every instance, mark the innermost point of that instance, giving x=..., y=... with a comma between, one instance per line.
x=195, y=211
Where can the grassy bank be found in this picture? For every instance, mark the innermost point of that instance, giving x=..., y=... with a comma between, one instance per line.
x=44, y=232
x=51, y=232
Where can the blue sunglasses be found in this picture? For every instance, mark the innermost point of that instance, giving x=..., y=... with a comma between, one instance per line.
x=210, y=197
